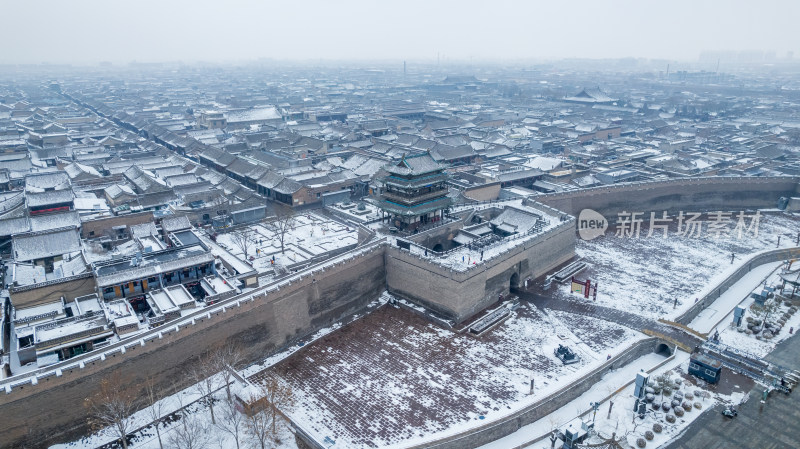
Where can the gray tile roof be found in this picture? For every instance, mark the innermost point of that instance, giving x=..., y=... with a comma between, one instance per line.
x=38, y=245
x=172, y=224
x=47, y=222
x=516, y=220
x=415, y=165
x=49, y=197
x=38, y=183
x=13, y=226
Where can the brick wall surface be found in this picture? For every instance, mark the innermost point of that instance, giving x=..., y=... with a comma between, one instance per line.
x=46, y=293
x=458, y=295
x=101, y=225
x=690, y=194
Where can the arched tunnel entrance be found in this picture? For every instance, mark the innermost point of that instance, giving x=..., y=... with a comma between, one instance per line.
x=438, y=247
x=514, y=282
x=663, y=349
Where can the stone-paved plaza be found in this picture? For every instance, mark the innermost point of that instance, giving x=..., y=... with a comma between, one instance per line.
x=393, y=377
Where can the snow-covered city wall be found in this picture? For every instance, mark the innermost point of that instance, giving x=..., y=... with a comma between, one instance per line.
x=262, y=321
x=714, y=291
x=699, y=194
x=459, y=292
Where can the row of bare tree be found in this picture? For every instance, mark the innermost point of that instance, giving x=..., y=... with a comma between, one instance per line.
x=283, y=223
x=254, y=419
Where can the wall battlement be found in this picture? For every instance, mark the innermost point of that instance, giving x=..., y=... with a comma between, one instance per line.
x=689, y=194
x=269, y=318
x=260, y=321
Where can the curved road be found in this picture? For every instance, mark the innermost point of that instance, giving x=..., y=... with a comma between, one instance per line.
x=631, y=320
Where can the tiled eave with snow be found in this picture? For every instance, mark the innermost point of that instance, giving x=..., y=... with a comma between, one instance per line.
x=135, y=273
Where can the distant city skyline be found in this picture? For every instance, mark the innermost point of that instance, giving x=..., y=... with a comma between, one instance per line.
x=90, y=31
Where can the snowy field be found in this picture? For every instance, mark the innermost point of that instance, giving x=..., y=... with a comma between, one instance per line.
x=370, y=212
x=312, y=235
x=392, y=379
x=646, y=275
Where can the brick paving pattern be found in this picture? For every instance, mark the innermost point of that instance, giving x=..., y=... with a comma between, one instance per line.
x=394, y=377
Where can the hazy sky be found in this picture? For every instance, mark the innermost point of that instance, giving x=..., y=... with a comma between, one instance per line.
x=87, y=31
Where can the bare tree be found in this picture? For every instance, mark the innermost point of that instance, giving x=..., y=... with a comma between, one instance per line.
x=232, y=422
x=282, y=224
x=191, y=434
x=155, y=409
x=243, y=239
x=204, y=375
x=112, y=406
x=278, y=397
x=226, y=358
x=259, y=425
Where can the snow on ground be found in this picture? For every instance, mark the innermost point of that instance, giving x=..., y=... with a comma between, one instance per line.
x=370, y=212
x=596, y=334
x=311, y=236
x=737, y=338
x=712, y=315
x=392, y=379
x=176, y=408
x=646, y=275
x=622, y=420
x=609, y=384
x=617, y=387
